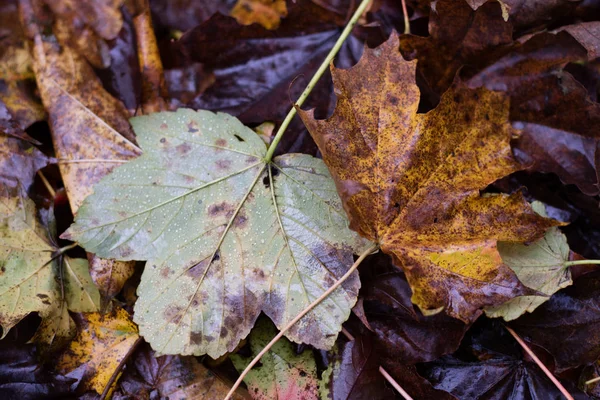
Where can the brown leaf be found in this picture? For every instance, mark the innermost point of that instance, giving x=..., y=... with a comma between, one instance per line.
x=172, y=377
x=412, y=182
x=154, y=89
x=19, y=107
x=458, y=36
x=19, y=161
x=110, y=276
x=89, y=24
x=101, y=343
x=588, y=35
x=267, y=13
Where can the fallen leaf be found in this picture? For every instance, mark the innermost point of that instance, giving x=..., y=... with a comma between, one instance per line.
x=34, y=279
x=553, y=111
x=539, y=266
x=567, y=325
x=354, y=373
x=183, y=15
x=101, y=343
x=259, y=72
x=154, y=89
x=226, y=235
x=22, y=376
x=109, y=276
x=267, y=13
x=282, y=374
x=170, y=377
x=88, y=25
x=17, y=84
x=19, y=161
x=90, y=130
x=491, y=366
x=458, y=36
x=404, y=333
x=411, y=182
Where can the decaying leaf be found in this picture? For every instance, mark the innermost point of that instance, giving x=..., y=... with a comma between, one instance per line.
x=354, y=373
x=226, y=235
x=267, y=13
x=411, y=181
x=110, y=276
x=539, y=266
x=283, y=374
x=19, y=161
x=490, y=365
x=101, y=343
x=567, y=325
x=172, y=377
x=34, y=279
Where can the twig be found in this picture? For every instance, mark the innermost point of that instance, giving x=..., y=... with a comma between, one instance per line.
x=49, y=187
x=406, y=20
x=540, y=364
x=596, y=379
x=115, y=374
x=312, y=305
x=322, y=68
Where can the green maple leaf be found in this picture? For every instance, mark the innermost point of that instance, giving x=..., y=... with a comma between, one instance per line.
x=226, y=235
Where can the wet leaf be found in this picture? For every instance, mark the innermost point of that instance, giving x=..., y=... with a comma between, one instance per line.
x=354, y=373
x=19, y=161
x=172, y=377
x=18, y=101
x=490, y=365
x=34, y=279
x=225, y=235
x=539, y=266
x=88, y=25
x=403, y=332
x=282, y=374
x=22, y=377
x=89, y=127
x=183, y=15
x=412, y=182
x=267, y=13
x=567, y=325
x=101, y=343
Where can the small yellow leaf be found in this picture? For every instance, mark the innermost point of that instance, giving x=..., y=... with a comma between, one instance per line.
x=267, y=13
x=101, y=343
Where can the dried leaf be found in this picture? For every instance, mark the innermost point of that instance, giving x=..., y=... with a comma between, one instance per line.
x=183, y=15
x=411, y=182
x=282, y=374
x=226, y=235
x=101, y=343
x=110, y=276
x=567, y=325
x=34, y=279
x=267, y=13
x=539, y=266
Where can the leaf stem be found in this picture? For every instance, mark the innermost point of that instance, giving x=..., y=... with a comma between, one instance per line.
x=63, y=250
x=312, y=305
x=580, y=262
x=322, y=68
x=117, y=370
x=406, y=20
x=540, y=364
x=49, y=187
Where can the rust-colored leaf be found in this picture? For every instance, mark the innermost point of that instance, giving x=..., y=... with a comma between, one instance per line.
x=412, y=182
x=101, y=343
x=267, y=13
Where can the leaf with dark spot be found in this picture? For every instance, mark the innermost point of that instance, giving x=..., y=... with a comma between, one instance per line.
x=211, y=224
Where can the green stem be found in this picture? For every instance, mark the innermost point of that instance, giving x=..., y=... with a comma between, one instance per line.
x=580, y=262
x=359, y=11
x=63, y=250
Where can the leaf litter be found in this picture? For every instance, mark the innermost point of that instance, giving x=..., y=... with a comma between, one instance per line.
x=537, y=63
